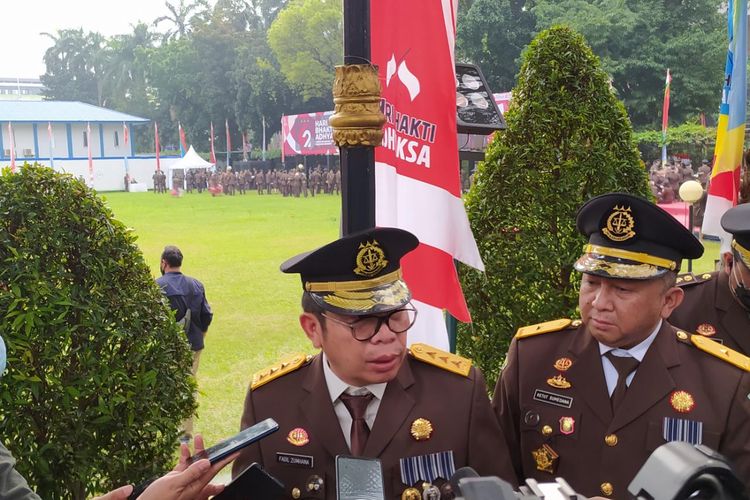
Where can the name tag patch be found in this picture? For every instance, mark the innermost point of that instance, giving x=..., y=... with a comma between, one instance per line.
x=551, y=398
x=427, y=467
x=680, y=429
x=306, y=461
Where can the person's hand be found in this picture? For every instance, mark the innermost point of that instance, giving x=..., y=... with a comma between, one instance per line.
x=121, y=493
x=185, y=482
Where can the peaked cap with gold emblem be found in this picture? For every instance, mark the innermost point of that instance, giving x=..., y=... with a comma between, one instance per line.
x=358, y=274
x=736, y=221
x=631, y=238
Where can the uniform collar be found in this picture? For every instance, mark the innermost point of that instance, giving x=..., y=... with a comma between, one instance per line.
x=336, y=386
x=638, y=351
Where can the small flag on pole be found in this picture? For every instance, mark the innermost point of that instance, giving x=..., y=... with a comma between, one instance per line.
x=183, y=142
x=244, y=145
x=157, y=147
x=51, y=140
x=126, y=139
x=91, y=161
x=723, y=190
x=229, y=140
x=12, y=145
x=665, y=120
x=213, y=151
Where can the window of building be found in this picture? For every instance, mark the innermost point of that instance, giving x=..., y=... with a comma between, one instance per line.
x=85, y=139
x=117, y=139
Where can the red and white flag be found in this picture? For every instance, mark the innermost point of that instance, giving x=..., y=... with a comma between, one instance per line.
x=51, y=141
x=417, y=181
x=157, y=147
x=125, y=134
x=183, y=141
x=12, y=147
x=213, y=151
x=91, y=161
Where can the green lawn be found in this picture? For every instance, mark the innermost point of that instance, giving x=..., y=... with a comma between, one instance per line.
x=234, y=245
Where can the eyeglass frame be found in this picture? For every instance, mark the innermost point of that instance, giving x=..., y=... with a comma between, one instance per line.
x=381, y=320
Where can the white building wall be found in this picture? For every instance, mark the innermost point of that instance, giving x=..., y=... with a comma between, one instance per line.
x=24, y=140
x=109, y=174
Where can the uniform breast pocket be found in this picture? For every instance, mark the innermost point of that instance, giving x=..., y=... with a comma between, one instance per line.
x=550, y=424
x=679, y=429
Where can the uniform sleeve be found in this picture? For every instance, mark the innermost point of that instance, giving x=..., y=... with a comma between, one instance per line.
x=252, y=453
x=735, y=443
x=488, y=450
x=505, y=403
x=12, y=484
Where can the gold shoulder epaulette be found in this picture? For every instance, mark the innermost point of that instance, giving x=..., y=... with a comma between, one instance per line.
x=716, y=349
x=687, y=279
x=547, y=327
x=286, y=365
x=441, y=359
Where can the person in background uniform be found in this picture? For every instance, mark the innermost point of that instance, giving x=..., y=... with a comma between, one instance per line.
x=186, y=295
x=717, y=305
x=590, y=400
x=421, y=411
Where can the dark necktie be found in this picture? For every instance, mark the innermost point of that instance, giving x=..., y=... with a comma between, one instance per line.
x=624, y=367
x=357, y=406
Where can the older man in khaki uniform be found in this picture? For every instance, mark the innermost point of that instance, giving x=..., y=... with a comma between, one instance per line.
x=423, y=412
x=589, y=400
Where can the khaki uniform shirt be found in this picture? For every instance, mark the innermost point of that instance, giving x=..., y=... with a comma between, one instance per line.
x=554, y=407
x=464, y=427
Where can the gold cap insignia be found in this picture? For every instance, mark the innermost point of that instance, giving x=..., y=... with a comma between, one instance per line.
x=559, y=382
x=620, y=224
x=421, y=429
x=706, y=330
x=370, y=259
x=298, y=437
x=563, y=364
x=545, y=458
x=567, y=425
x=682, y=401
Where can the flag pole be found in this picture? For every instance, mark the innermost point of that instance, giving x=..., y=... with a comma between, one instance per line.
x=357, y=145
x=665, y=120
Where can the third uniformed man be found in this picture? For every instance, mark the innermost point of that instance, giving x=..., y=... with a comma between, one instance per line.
x=717, y=305
x=590, y=400
x=421, y=411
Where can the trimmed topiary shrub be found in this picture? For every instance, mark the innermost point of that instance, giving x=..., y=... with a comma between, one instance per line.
x=568, y=139
x=98, y=376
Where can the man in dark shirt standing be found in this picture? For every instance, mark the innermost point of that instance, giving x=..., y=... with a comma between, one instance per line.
x=188, y=299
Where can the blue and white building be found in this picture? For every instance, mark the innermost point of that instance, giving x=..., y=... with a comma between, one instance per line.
x=56, y=133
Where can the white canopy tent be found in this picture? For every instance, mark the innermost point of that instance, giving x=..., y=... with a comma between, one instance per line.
x=190, y=160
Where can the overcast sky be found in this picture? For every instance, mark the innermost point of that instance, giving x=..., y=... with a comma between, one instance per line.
x=22, y=47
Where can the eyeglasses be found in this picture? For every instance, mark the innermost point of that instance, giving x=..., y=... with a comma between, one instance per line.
x=365, y=327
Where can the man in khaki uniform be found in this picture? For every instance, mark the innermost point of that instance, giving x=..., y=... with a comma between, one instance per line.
x=717, y=305
x=423, y=412
x=590, y=400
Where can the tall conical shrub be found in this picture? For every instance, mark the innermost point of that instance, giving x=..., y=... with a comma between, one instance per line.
x=568, y=139
x=98, y=374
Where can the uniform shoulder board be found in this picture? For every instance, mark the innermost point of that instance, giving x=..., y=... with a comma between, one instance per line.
x=687, y=279
x=716, y=349
x=547, y=327
x=286, y=365
x=442, y=359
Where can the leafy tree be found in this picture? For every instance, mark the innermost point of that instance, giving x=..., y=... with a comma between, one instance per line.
x=180, y=16
x=98, y=375
x=492, y=34
x=638, y=40
x=307, y=40
x=75, y=66
x=568, y=139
